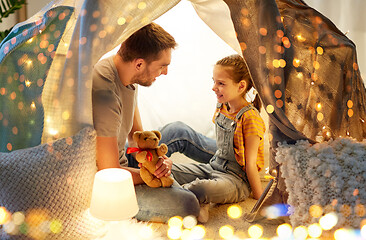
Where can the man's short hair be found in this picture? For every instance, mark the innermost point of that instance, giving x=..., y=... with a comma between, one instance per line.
x=146, y=43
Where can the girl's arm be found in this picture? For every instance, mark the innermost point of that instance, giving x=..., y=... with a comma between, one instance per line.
x=251, y=151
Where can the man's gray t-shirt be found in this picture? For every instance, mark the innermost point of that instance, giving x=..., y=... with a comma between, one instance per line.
x=113, y=104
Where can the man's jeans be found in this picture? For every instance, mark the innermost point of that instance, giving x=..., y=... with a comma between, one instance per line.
x=179, y=137
x=160, y=204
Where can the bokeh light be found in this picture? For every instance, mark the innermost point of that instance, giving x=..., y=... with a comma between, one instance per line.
x=315, y=230
x=363, y=231
x=234, y=211
x=296, y=62
x=4, y=215
x=18, y=218
x=174, y=232
x=189, y=221
x=316, y=211
x=198, y=232
x=341, y=234
x=318, y=107
x=56, y=226
x=255, y=231
x=186, y=234
x=270, y=109
x=284, y=231
x=141, y=5
x=175, y=222
x=328, y=221
x=226, y=232
x=276, y=210
x=300, y=38
x=300, y=233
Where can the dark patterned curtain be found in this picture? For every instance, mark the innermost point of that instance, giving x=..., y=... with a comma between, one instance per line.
x=304, y=69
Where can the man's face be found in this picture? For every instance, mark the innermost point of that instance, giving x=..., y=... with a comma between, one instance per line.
x=154, y=69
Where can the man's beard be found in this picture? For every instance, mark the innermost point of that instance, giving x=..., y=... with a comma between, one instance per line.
x=143, y=79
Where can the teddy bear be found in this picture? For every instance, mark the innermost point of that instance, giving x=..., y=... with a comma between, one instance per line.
x=148, y=153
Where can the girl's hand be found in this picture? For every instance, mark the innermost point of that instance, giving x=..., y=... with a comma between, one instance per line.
x=163, y=167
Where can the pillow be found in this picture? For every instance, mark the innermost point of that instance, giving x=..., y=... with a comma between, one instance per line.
x=327, y=177
x=47, y=189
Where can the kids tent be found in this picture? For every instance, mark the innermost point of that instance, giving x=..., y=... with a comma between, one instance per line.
x=304, y=69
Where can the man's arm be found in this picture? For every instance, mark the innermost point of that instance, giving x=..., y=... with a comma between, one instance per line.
x=136, y=126
x=107, y=157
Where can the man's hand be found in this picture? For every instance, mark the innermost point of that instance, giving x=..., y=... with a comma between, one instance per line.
x=163, y=167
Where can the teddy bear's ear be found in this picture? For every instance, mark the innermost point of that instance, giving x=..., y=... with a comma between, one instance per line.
x=136, y=136
x=157, y=133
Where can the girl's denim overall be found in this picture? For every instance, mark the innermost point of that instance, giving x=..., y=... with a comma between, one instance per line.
x=222, y=180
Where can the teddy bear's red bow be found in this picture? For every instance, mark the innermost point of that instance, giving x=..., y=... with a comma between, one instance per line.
x=138, y=150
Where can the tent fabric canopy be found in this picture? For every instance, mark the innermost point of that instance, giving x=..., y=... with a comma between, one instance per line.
x=304, y=69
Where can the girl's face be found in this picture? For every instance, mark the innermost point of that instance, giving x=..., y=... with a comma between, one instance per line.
x=226, y=90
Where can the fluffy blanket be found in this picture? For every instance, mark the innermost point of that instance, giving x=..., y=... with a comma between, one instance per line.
x=327, y=177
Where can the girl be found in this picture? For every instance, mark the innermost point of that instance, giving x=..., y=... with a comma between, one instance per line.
x=233, y=171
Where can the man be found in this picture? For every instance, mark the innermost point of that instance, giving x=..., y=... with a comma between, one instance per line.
x=143, y=57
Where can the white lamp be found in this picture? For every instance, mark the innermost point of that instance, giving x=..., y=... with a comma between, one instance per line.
x=113, y=197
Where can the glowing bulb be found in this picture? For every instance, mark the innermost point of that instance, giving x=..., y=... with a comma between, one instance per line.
x=53, y=132
x=255, y=231
x=318, y=107
x=320, y=50
x=29, y=62
x=296, y=62
x=30, y=40
x=300, y=75
x=27, y=83
x=33, y=106
x=328, y=221
x=300, y=38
